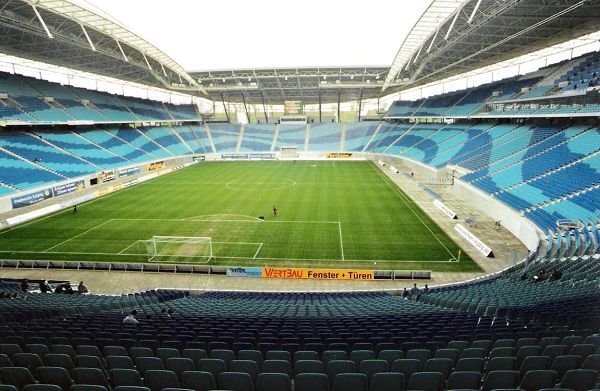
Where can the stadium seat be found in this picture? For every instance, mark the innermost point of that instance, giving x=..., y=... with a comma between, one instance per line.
x=55, y=375
x=16, y=376
x=535, y=380
x=41, y=387
x=91, y=376
x=308, y=366
x=253, y=355
x=148, y=363
x=426, y=381
x=212, y=365
x=245, y=366
x=387, y=381
x=311, y=382
x=371, y=367
x=157, y=380
x=350, y=382
x=125, y=378
x=198, y=380
x=277, y=366
x=503, y=379
x=464, y=380
x=579, y=379
x=236, y=381
x=273, y=382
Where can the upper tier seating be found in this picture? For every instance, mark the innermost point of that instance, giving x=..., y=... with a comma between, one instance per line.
x=33, y=100
x=575, y=76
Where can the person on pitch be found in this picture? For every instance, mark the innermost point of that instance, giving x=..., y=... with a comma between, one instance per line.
x=275, y=211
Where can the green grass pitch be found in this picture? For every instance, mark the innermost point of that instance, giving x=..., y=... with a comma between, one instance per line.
x=331, y=214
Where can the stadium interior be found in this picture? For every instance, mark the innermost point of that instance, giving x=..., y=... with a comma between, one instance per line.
x=431, y=225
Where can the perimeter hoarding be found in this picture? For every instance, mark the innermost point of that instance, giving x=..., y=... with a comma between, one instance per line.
x=318, y=274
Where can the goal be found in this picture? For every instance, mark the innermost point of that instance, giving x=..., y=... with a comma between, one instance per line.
x=289, y=152
x=177, y=249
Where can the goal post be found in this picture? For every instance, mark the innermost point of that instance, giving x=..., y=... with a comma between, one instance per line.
x=176, y=249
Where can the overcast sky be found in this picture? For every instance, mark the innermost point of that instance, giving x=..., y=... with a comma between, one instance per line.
x=229, y=34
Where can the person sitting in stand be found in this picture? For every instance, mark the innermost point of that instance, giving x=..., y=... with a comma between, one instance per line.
x=405, y=294
x=81, y=288
x=130, y=319
x=24, y=285
x=45, y=287
x=556, y=275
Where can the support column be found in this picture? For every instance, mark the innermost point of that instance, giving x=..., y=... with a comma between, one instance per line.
x=359, y=104
x=225, y=108
x=262, y=96
x=338, y=104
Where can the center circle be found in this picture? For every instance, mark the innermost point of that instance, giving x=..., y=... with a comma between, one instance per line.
x=283, y=184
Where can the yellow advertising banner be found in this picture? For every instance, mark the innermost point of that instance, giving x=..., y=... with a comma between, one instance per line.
x=318, y=274
x=339, y=155
x=155, y=166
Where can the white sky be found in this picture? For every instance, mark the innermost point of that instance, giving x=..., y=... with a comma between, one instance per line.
x=233, y=34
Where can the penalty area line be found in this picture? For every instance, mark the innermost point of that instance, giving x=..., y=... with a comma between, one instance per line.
x=257, y=251
x=76, y=236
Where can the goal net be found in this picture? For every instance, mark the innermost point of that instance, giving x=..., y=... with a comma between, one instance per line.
x=180, y=249
x=289, y=152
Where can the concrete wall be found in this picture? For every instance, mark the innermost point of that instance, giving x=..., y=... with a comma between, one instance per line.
x=521, y=227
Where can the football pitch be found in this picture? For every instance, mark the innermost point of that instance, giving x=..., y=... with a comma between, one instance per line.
x=331, y=214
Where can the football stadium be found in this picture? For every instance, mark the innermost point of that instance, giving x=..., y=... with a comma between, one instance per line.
x=187, y=203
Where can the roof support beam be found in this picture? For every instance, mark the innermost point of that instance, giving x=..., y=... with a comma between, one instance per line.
x=262, y=96
x=37, y=14
x=121, y=49
x=433, y=40
x=452, y=24
x=146, y=59
x=87, y=37
x=225, y=108
x=359, y=105
x=474, y=12
x=245, y=107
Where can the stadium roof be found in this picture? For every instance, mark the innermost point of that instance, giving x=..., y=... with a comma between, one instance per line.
x=309, y=85
x=60, y=32
x=453, y=37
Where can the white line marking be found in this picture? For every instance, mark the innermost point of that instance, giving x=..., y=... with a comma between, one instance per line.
x=76, y=236
x=257, y=251
x=216, y=257
x=128, y=247
x=341, y=240
x=228, y=214
x=239, y=221
x=401, y=196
